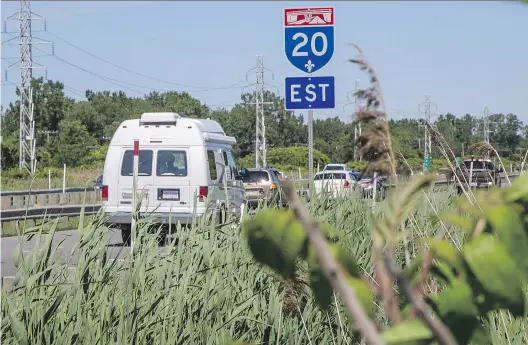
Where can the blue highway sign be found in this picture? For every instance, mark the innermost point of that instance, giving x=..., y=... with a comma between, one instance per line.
x=304, y=93
x=309, y=37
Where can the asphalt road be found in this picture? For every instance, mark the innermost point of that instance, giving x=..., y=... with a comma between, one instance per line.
x=70, y=238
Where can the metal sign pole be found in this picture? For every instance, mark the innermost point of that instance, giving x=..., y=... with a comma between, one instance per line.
x=310, y=145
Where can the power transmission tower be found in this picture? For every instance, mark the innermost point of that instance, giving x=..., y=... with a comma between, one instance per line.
x=260, y=126
x=486, y=124
x=426, y=105
x=486, y=127
x=357, y=128
x=27, y=139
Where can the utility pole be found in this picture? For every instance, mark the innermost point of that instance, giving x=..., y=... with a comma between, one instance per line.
x=357, y=128
x=27, y=139
x=426, y=105
x=260, y=127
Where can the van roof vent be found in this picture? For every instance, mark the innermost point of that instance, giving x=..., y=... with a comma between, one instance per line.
x=159, y=119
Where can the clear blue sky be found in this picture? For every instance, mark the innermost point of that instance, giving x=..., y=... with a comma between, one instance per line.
x=463, y=54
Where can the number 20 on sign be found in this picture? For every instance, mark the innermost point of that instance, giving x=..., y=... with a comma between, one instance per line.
x=309, y=37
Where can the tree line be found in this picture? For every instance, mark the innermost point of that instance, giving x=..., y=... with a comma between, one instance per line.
x=77, y=133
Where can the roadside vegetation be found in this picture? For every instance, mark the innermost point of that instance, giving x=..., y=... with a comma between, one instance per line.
x=416, y=268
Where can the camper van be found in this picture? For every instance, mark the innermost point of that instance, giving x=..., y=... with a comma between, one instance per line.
x=182, y=161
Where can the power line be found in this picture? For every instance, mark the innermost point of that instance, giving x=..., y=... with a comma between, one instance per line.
x=120, y=83
x=141, y=74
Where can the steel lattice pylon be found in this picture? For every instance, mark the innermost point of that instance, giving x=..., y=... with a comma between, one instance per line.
x=27, y=159
x=260, y=128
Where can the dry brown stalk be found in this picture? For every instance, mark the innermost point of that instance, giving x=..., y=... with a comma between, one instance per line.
x=441, y=331
x=331, y=269
x=376, y=146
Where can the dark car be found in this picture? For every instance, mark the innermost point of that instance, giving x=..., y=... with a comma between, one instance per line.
x=98, y=184
x=476, y=173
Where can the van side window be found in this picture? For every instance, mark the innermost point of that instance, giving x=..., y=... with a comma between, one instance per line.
x=145, y=163
x=171, y=163
x=232, y=164
x=212, y=165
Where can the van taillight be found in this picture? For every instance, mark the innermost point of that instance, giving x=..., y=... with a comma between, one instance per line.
x=202, y=193
x=104, y=193
x=346, y=184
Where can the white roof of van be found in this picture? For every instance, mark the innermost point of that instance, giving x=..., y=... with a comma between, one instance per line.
x=169, y=126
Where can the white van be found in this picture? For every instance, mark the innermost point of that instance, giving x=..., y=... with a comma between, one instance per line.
x=181, y=162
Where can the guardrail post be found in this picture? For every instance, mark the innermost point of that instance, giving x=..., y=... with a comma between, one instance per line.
x=64, y=180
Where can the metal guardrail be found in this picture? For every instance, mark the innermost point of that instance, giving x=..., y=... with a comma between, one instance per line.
x=50, y=211
x=46, y=191
x=74, y=210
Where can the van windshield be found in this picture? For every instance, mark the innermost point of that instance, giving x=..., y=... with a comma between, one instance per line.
x=145, y=163
x=255, y=176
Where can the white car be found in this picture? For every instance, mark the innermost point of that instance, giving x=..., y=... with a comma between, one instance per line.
x=182, y=161
x=333, y=183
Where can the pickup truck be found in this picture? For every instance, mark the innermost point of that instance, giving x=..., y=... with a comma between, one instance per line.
x=477, y=173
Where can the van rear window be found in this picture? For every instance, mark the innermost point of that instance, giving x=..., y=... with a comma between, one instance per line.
x=145, y=163
x=171, y=163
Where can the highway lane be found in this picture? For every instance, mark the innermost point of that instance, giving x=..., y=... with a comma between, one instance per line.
x=70, y=238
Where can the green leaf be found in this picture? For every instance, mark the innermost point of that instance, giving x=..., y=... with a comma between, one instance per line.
x=508, y=226
x=481, y=336
x=443, y=272
x=410, y=332
x=456, y=309
x=518, y=190
x=322, y=288
x=495, y=275
x=464, y=222
x=276, y=239
x=363, y=293
x=446, y=252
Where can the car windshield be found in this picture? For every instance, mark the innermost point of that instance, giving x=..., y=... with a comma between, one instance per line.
x=255, y=176
x=330, y=176
x=479, y=165
x=334, y=167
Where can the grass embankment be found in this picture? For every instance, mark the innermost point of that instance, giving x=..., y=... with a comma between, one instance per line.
x=204, y=289
x=74, y=178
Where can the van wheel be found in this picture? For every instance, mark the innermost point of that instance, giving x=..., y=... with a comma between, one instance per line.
x=162, y=239
x=125, y=234
x=221, y=215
